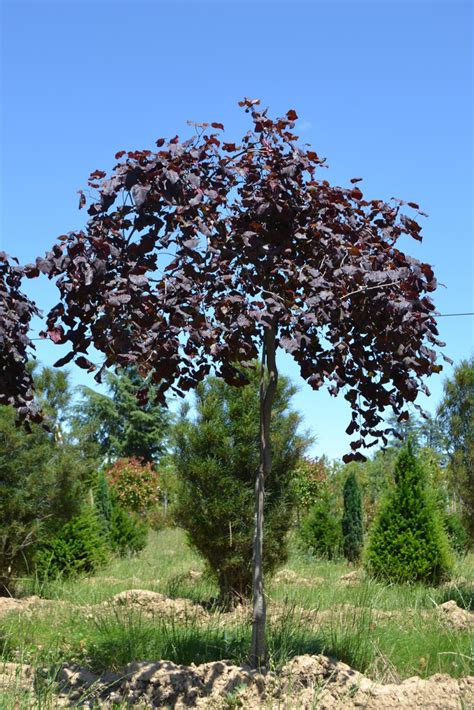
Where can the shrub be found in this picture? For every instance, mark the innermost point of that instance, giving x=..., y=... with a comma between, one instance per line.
x=457, y=533
x=352, y=531
x=128, y=533
x=320, y=531
x=78, y=547
x=408, y=542
x=134, y=484
x=217, y=457
x=157, y=519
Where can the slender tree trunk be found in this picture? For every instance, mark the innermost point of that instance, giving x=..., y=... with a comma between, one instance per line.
x=267, y=395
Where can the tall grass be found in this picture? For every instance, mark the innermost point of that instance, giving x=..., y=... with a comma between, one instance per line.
x=388, y=632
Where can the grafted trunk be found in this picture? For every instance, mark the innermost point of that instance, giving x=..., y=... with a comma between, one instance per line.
x=268, y=385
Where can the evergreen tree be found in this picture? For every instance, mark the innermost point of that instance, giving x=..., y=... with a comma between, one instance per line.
x=352, y=529
x=120, y=425
x=42, y=478
x=216, y=458
x=408, y=542
x=320, y=530
x=54, y=394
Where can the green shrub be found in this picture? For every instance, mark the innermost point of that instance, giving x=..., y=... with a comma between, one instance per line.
x=78, y=547
x=457, y=533
x=128, y=533
x=309, y=478
x=320, y=531
x=408, y=542
x=157, y=519
x=352, y=531
x=217, y=457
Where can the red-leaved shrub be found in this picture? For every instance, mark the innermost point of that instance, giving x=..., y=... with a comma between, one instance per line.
x=134, y=483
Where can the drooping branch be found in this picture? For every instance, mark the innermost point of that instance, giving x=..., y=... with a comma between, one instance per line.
x=256, y=236
x=16, y=347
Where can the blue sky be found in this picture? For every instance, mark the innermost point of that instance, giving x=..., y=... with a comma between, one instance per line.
x=383, y=89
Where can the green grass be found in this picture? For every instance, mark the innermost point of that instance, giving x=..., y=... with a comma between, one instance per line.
x=388, y=632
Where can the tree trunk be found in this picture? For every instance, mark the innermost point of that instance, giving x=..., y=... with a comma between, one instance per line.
x=267, y=394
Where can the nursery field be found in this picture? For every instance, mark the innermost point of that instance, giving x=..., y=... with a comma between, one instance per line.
x=94, y=642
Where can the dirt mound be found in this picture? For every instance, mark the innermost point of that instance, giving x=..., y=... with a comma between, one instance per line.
x=156, y=604
x=16, y=677
x=8, y=604
x=459, y=619
x=287, y=576
x=306, y=682
x=351, y=578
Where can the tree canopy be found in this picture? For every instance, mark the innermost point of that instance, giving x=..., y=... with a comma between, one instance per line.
x=193, y=249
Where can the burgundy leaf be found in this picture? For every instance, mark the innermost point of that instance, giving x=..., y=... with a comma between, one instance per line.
x=84, y=363
x=56, y=334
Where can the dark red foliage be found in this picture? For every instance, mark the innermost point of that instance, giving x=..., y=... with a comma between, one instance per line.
x=16, y=312
x=192, y=251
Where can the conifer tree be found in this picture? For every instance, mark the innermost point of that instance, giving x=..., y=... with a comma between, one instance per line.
x=352, y=529
x=320, y=530
x=120, y=424
x=216, y=456
x=456, y=414
x=408, y=541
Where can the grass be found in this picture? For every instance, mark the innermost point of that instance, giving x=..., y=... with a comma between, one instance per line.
x=388, y=632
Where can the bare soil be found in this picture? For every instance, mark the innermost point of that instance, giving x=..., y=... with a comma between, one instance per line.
x=307, y=682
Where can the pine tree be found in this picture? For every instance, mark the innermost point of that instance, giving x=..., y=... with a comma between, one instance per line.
x=216, y=458
x=408, y=542
x=119, y=424
x=352, y=529
x=42, y=477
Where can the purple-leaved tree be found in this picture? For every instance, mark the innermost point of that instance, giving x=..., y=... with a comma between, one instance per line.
x=206, y=254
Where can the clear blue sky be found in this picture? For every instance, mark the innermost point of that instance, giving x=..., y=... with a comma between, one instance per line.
x=383, y=89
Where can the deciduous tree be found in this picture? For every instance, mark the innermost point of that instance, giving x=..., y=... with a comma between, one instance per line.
x=207, y=253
